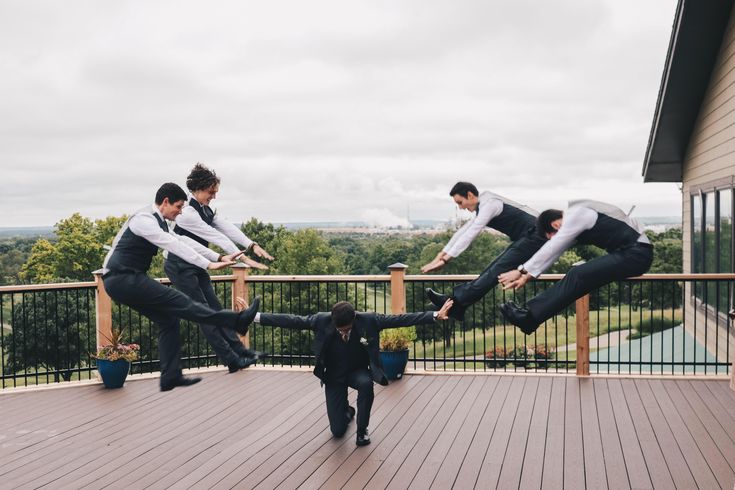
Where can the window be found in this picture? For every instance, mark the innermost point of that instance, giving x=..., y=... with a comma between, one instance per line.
x=725, y=245
x=712, y=244
x=697, y=255
x=711, y=248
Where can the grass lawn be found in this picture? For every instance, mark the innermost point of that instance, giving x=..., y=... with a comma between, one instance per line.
x=557, y=331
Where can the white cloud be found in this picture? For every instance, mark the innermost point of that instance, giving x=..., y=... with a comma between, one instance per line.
x=315, y=111
x=383, y=218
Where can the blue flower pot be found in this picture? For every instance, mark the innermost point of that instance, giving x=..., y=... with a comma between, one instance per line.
x=394, y=363
x=113, y=373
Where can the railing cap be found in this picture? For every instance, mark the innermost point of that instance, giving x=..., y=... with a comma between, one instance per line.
x=397, y=267
x=240, y=265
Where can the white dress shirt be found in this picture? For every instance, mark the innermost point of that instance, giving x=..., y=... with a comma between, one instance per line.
x=578, y=218
x=222, y=233
x=491, y=205
x=145, y=225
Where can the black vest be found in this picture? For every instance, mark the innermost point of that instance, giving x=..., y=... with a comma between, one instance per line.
x=207, y=215
x=514, y=222
x=131, y=253
x=613, y=229
x=609, y=233
x=343, y=357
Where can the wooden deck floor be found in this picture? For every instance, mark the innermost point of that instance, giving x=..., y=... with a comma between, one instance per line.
x=268, y=429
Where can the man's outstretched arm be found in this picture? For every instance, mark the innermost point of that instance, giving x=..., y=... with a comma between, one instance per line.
x=408, y=319
x=284, y=320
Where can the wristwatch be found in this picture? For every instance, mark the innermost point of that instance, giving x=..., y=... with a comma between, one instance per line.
x=522, y=269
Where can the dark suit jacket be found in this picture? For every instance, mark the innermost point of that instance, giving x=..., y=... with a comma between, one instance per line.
x=366, y=325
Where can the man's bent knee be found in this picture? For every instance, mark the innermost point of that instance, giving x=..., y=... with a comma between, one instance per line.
x=338, y=430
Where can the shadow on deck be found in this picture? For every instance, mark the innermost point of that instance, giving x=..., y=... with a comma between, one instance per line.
x=267, y=428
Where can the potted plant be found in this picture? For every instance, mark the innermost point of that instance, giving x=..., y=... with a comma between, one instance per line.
x=394, y=344
x=113, y=360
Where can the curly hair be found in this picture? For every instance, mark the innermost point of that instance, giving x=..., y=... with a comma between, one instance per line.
x=201, y=178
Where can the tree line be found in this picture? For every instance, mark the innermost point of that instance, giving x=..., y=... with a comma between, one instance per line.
x=56, y=333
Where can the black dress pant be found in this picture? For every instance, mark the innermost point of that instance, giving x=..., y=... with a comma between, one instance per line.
x=336, y=394
x=581, y=279
x=516, y=254
x=164, y=306
x=196, y=284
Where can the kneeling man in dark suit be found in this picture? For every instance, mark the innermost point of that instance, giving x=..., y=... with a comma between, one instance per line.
x=346, y=345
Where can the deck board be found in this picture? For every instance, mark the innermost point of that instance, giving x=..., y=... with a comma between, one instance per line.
x=266, y=428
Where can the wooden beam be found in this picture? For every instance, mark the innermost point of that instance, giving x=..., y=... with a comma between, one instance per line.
x=583, y=335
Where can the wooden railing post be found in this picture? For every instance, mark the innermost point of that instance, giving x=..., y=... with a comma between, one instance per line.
x=397, y=288
x=240, y=288
x=103, y=311
x=583, y=335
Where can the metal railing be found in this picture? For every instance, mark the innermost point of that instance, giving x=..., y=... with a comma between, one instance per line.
x=653, y=324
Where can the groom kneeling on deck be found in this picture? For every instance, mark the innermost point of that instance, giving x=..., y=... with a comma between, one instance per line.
x=346, y=346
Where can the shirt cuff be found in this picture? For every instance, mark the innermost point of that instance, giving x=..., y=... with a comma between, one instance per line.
x=257, y=317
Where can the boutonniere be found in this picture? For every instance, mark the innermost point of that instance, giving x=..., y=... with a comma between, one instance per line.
x=364, y=341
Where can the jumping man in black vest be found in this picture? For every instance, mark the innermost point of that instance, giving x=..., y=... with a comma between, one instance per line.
x=126, y=281
x=200, y=223
x=346, y=346
x=492, y=211
x=586, y=222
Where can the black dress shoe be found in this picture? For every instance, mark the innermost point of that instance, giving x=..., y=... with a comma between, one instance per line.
x=363, y=438
x=520, y=317
x=241, y=363
x=180, y=381
x=257, y=355
x=246, y=317
x=350, y=414
x=438, y=300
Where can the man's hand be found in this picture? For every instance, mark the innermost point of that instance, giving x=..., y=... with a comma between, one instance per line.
x=257, y=250
x=252, y=263
x=213, y=266
x=240, y=304
x=233, y=256
x=434, y=265
x=513, y=279
x=443, y=313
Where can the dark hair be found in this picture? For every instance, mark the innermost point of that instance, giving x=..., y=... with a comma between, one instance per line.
x=343, y=313
x=463, y=188
x=544, y=220
x=201, y=178
x=172, y=191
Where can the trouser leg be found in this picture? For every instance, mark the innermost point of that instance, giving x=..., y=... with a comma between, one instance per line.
x=198, y=287
x=516, y=254
x=231, y=337
x=336, y=397
x=362, y=381
x=169, y=343
x=139, y=291
x=584, y=278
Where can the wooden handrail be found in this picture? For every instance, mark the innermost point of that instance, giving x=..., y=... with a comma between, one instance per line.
x=21, y=288
x=397, y=279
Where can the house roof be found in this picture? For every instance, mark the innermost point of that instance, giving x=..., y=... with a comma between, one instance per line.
x=696, y=37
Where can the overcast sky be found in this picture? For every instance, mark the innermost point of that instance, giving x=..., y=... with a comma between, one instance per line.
x=328, y=110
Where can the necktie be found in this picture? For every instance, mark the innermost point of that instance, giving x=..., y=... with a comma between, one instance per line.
x=345, y=335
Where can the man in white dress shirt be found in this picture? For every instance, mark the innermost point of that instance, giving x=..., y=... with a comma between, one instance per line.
x=200, y=223
x=515, y=220
x=126, y=280
x=586, y=222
